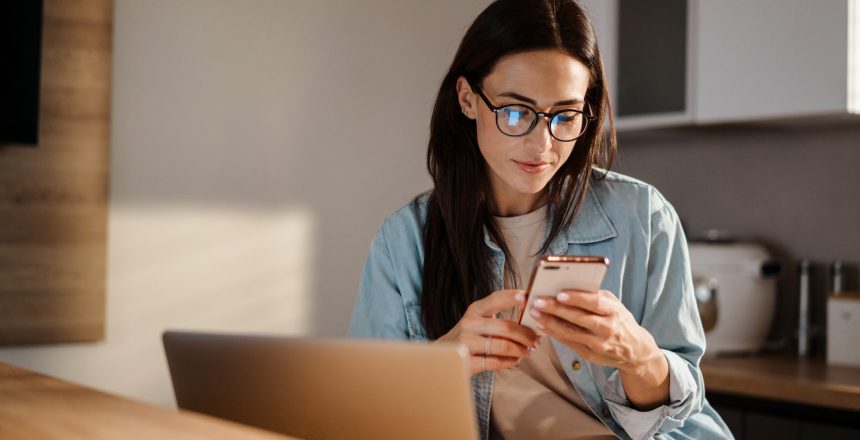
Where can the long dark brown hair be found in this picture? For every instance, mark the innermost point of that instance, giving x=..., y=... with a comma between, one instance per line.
x=458, y=266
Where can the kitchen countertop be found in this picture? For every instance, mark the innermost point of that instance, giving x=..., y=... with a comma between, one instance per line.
x=803, y=381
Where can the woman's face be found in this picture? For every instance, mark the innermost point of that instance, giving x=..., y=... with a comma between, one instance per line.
x=547, y=81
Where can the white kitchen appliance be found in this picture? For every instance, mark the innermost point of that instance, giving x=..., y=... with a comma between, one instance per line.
x=735, y=287
x=843, y=328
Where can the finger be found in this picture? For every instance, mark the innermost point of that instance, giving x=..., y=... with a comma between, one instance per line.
x=495, y=346
x=601, y=303
x=479, y=364
x=496, y=302
x=563, y=330
x=502, y=328
x=593, y=323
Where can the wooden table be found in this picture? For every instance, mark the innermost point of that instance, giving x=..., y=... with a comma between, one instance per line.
x=803, y=381
x=35, y=406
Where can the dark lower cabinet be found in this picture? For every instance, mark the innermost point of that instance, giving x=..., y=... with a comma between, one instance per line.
x=733, y=417
x=810, y=431
x=766, y=426
x=753, y=419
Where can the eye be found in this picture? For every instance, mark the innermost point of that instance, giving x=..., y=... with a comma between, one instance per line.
x=515, y=115
x=567, y=118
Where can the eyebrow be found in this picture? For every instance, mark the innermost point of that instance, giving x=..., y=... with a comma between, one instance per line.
x=533, y=102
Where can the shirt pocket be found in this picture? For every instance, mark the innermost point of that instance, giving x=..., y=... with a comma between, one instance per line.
x=413, y=321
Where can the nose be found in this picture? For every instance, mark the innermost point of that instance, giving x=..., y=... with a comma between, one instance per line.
x=539, y=140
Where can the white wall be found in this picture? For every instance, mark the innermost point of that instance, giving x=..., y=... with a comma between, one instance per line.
x=256, y=146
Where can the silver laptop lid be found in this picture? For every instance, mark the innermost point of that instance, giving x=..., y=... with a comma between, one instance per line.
x=325, y=388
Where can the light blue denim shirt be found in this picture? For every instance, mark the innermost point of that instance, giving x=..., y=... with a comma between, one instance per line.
x=621, y=218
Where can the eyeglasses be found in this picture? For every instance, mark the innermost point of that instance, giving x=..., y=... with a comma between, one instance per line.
x=519, y=120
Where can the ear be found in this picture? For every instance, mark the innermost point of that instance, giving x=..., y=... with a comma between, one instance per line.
x=467, y=98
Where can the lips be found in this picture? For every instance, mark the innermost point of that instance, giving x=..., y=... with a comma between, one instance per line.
x=532, y=167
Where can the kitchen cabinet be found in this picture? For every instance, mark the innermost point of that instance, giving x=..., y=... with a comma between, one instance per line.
x=679, y=62
x=752, y=419
x=770, y=426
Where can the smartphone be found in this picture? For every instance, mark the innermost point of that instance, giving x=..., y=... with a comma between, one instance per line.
x=551, y=275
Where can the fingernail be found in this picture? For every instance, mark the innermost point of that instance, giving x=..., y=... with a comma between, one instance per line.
x=520, y=296
x=540, y=303
x=535, y=313
x=562, y=296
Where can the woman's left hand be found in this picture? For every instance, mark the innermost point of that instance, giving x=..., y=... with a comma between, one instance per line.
x=604, y=332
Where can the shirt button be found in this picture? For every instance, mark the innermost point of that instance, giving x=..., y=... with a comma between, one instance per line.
x=575, y=365
x=605, y=412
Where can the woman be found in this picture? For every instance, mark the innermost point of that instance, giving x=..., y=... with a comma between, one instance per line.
x=516, y=139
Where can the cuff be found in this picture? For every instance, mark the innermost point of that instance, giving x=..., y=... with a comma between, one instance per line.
x=641, y=425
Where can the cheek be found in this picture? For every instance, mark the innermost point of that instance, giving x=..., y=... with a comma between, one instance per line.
x=564, y=152
x=487, y=132
x=494, y=145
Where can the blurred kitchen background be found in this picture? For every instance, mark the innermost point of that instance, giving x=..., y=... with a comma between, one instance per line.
x=255, y=146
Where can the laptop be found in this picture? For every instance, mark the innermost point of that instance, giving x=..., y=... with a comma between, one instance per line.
x=325, y=388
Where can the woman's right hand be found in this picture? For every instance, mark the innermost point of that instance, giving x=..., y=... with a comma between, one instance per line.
x=509, y=341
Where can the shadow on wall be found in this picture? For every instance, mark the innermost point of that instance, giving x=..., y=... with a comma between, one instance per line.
x=275, y=106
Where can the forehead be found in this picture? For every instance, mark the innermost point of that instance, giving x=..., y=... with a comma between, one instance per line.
x=545, y=75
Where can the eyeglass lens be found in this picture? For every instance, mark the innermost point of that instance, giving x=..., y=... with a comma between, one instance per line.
x=516, y=120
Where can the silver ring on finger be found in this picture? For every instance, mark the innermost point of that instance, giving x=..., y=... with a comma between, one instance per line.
x=487, y=346
x=483, y=363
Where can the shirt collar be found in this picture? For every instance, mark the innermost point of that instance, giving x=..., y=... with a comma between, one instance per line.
x=590, y=225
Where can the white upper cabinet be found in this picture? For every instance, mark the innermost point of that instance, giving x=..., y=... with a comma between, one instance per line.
x=672, y=62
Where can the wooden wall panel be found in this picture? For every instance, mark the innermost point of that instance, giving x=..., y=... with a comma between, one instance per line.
x=53, y=198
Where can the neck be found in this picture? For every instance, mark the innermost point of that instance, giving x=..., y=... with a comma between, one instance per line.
x=511, y=204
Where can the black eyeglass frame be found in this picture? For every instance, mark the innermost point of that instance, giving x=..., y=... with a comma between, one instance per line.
x=549, y=116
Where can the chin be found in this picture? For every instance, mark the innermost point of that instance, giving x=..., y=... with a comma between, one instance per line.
x=532, y=187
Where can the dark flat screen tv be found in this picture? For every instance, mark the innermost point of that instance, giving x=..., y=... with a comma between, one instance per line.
x=20, y=57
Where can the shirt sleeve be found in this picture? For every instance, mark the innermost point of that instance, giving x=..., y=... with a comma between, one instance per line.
x=672, y=318
x=379, y=310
